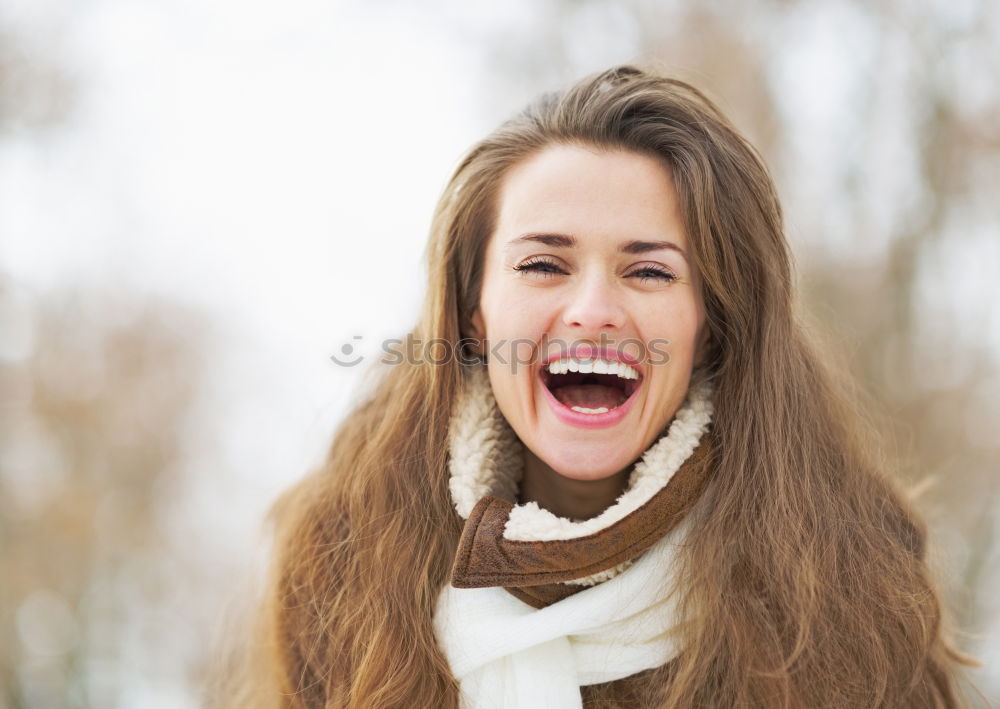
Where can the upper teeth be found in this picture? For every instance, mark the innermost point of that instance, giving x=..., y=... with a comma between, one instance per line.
x=597, y=366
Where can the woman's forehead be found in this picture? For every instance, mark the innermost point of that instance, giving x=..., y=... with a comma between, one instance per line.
x=589, y=193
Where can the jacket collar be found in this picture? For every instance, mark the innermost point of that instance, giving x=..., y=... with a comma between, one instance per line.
x=535, y=555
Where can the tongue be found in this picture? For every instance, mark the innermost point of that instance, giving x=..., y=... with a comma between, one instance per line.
x=591, y=396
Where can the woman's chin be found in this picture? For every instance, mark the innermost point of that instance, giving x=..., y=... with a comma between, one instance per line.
x=586, y=465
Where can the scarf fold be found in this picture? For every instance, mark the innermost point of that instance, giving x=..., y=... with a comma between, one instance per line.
x=538, y=605
x=508, y=655
x=541, y=572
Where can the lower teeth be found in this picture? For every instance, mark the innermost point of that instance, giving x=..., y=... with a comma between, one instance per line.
x=601, y=410
x=582, y=410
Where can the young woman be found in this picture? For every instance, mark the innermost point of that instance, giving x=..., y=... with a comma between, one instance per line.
x=632, y=480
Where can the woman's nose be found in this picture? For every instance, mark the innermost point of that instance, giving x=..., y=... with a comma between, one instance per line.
x=594, y=305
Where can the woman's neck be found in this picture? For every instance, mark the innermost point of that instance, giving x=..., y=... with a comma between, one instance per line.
x=565, y=497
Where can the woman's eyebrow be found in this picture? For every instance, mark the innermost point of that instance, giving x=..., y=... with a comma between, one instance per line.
x=564, y=241
x=560, y=241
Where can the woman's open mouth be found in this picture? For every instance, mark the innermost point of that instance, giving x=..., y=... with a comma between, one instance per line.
x=590, y=392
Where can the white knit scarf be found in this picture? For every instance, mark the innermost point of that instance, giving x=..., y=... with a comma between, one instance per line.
x=507, y=654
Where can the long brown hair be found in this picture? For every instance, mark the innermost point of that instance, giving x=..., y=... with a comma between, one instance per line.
x=805, y=578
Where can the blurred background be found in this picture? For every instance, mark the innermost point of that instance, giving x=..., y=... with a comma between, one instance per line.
x=201, y=201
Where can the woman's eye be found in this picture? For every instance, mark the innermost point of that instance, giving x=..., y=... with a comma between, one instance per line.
x=547, y=269
x=653, y=272
x=542, y=266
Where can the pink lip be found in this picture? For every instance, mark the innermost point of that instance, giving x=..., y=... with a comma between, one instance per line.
x=575, y=418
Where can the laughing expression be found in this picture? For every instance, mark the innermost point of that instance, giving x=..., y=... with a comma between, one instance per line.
x=592, y=312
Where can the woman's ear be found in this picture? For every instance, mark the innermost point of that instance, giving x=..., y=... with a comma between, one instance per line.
x=703, y=347
x=478, y=332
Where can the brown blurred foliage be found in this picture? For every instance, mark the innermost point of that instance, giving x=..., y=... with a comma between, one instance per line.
x=96, y=388
x=36, y=91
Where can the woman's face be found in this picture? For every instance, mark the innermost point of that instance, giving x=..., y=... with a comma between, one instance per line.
x=586, y=270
